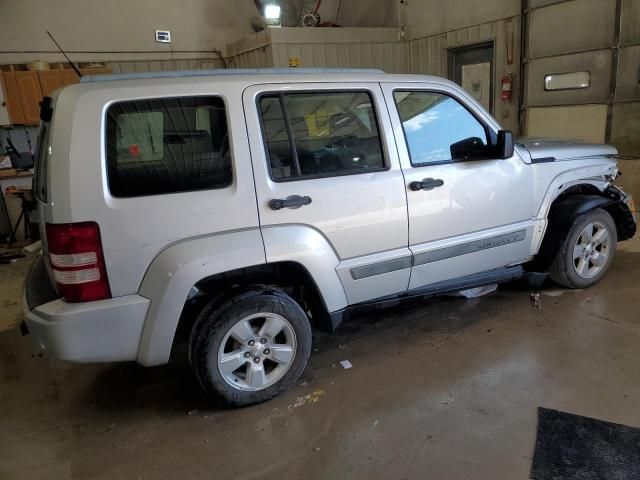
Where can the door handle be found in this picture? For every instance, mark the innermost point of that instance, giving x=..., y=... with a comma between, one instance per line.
x=426, y=184
x=292, y=201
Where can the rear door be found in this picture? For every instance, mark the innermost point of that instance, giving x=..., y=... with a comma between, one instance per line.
x=472, y=216
x=321, y=159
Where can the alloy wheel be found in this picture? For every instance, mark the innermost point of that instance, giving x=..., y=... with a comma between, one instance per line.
x=257, y=351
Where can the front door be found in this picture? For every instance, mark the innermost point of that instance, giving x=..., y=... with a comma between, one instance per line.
x=325, y=147
x=465, y=217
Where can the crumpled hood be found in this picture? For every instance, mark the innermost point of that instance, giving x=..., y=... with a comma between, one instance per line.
x=543, y=148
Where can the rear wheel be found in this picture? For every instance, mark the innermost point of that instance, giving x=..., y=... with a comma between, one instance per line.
x=587, y=251
x=251, y=348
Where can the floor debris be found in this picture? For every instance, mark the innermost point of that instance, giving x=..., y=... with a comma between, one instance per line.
x=346, y=364
x=311, y=398
x=535, y=301
x=556, y=292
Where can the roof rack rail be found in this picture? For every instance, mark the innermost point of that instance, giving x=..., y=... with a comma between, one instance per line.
x=222, y=72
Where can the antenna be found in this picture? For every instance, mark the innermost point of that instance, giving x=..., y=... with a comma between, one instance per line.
x=65, y=55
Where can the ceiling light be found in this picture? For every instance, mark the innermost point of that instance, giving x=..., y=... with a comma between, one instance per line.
x=272, y=12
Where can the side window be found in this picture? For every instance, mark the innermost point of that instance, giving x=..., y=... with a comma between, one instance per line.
x=167, y=145
x=438, y=128
x=320, y=134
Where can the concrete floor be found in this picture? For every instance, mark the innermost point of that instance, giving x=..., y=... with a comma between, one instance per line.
x=445, y=389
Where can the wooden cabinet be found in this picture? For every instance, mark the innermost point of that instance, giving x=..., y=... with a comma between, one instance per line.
x=12, y=97
x=30, y=95
x=69, y=77
x=24, y=90
x=50, y=81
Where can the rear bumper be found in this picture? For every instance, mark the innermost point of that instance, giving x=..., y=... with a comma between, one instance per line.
x=102, y=331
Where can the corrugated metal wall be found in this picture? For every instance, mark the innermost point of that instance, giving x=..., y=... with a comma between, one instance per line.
x=261, y=57
x=388, y=56
x=429, y=55
x=134, y=66
x=323, y=48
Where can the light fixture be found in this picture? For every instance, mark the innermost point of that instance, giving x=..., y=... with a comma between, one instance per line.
x=272, y=14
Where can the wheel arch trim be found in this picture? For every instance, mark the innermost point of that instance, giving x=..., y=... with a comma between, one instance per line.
x=175, y=270
x=562, y=214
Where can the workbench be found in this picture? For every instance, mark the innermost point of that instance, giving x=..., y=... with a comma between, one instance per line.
x=22, y=180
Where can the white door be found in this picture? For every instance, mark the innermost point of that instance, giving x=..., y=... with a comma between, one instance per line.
x=476, y=79
x=322, y=160
x=465, y=217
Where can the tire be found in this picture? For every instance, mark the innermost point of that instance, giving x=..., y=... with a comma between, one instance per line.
x=576, y=261
x=264, y=333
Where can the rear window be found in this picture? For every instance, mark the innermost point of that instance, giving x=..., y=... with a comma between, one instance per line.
x=167, y=145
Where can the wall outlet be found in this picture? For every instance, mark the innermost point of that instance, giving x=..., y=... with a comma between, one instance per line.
x=163, y=36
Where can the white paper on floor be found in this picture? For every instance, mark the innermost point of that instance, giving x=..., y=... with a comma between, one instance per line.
x=476, y=292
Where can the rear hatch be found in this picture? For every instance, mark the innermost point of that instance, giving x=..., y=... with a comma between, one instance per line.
x=73, y=256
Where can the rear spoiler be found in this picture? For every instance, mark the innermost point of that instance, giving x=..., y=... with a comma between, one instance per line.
x=46, y=111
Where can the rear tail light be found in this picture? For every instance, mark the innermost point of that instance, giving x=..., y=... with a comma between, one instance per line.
x=75, y=251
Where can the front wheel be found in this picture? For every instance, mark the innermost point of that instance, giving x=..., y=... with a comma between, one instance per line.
x=251, y=348
x=587, y=252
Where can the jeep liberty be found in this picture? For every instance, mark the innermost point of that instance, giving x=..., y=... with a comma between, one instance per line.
x=278, y=202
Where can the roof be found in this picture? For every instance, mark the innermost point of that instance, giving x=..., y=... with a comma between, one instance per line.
x=221, y=72
x=250, y=76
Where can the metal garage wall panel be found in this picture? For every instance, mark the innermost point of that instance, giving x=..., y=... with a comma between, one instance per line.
x=137, y=66
x=323, y=47
x=390, y=57
x=544, y=3
x=428, y=55
x=630, y=24
x=570, y=27
x=584, y=122
x=597, y=63
x=628, y=87
x=257, y=58
x=626, y=127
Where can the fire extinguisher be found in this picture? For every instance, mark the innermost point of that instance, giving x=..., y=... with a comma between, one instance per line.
x=507, y=87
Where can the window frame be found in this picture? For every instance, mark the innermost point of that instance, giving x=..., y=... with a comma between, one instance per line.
x=105, y=140
x=491, y=136
x=294, y=154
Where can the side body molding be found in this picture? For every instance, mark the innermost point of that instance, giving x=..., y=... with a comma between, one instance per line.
x=172, y=274
x=309, y=248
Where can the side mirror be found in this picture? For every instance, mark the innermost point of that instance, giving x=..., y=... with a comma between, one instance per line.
x=472, y=148
x=505, y=144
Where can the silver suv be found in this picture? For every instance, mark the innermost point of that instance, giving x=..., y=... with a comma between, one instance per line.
x=273, y=203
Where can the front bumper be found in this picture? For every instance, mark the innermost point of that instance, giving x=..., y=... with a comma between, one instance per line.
x=101, y=331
